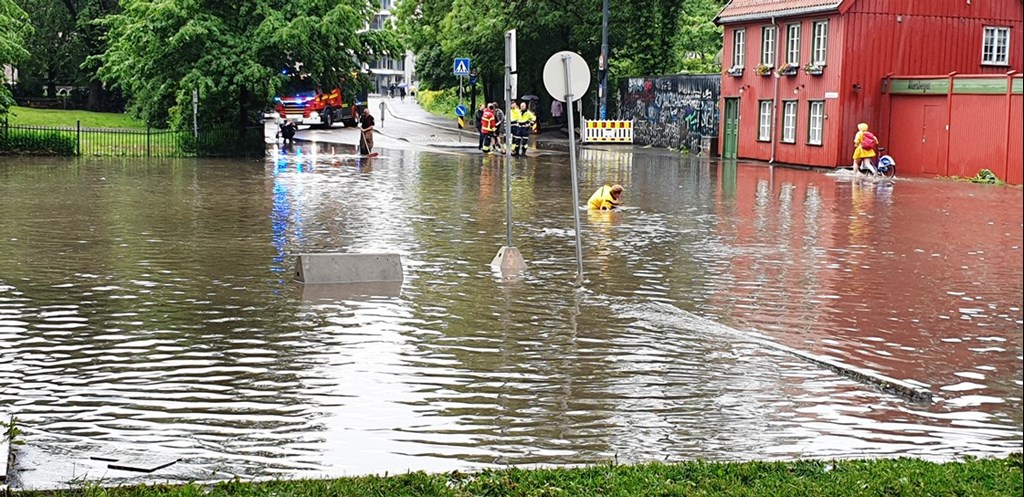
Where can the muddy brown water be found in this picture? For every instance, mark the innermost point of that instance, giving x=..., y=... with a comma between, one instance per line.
x=146, y=307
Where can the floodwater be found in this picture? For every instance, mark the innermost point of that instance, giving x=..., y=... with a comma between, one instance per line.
x=147, y=307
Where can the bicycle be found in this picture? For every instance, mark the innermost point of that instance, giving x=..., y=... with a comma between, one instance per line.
x=886, y=164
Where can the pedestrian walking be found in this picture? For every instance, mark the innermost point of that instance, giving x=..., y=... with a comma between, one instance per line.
x=401, y=92
x=864, y=152
x=557, y=110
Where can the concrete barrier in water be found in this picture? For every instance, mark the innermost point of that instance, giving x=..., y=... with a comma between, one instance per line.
x=887, y=384
x=312, y=269
x=5, y=448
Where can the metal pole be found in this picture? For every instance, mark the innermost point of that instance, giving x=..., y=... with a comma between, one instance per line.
x=195, y=113
x=460, y=103
x=572, y=165
x=508, y=141
x=602, y=89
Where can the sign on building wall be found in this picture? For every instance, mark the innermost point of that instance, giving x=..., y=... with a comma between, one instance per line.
x=679, y=111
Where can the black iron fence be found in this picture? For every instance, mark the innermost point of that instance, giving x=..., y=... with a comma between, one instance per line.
x=69, y=141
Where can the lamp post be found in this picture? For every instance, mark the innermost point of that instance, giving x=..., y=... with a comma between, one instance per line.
x=603, y=67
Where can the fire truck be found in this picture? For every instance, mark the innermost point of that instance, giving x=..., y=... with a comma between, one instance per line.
x=304, y=102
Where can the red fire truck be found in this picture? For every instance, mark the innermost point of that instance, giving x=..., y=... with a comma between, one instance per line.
x=304, y=102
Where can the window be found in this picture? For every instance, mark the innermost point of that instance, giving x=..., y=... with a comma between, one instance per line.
x=789, y=121
x=995, y=46
x=793, y=44
x=739, y=45
x=764, y=129
x=768, y=45
x=817, y=122
x=819, y=51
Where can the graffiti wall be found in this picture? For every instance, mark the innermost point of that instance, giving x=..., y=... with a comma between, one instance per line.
x=679, y=111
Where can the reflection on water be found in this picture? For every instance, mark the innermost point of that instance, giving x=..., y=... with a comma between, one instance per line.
x=149, y=305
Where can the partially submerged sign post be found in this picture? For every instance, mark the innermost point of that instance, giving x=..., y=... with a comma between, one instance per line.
x=508, y=258
x=566, y=78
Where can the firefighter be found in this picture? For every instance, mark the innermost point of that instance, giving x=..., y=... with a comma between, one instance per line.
x=513, y=121
x=526, y=123
x=488, y=126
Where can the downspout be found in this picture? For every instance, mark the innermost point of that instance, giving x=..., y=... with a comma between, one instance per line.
x=775, y=97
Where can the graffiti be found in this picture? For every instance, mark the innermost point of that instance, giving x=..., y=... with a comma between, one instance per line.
x=679, y=112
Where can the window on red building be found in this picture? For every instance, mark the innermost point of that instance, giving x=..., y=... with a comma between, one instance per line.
x=768, y=45
x=819, y=52
x=995, y=46
x=789, y=121
x=816, y=122
x=739, y=45
x=764, y=129
x=793, y=44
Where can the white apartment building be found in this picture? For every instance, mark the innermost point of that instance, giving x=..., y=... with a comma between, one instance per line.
x=388, y=70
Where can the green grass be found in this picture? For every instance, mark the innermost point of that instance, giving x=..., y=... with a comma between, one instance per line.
x=47, y=117
x=883, y=477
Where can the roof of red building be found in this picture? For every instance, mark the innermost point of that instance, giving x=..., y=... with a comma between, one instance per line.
x=749, y=10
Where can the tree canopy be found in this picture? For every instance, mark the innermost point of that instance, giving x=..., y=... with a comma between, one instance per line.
x=646, y=37
x=14, y=29
x=234, y=53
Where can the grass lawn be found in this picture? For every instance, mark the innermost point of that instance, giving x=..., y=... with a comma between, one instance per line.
x=883, y=477
x=47, y=117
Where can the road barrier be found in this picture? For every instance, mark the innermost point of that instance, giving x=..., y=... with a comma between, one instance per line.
x=608, y=132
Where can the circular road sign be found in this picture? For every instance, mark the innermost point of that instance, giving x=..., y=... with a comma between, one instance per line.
x=554, y=76
x=460, y=110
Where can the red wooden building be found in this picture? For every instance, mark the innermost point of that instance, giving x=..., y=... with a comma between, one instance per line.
x=800, y=74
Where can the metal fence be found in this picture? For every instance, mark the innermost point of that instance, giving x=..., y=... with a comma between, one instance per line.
x=68, y=141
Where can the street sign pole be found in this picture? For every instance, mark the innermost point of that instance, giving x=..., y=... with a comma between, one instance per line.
x=460, y=103
x=509, y=259
x=566, y=60
x=567, y=78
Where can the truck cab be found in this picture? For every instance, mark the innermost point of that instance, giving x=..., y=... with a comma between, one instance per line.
x=304, y=102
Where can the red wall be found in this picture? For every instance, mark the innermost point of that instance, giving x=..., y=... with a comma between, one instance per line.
x=1015, y=149
x=971, y=151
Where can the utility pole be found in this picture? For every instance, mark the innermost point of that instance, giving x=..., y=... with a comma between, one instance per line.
x=602, y=88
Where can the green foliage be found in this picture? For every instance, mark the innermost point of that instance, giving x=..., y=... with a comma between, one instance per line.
x=232, y=53
x=11, y=432
x=988, y=177
x=37, y=142
x=903, y=477
x=57, y=47
x=14, y=29
x=441, y=102
x=648, y=37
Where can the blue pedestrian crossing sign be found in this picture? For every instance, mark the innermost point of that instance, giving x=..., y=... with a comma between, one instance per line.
x=461, y=67
x=460, y=110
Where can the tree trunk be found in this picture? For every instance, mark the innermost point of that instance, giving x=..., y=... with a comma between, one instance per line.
x=96, y=100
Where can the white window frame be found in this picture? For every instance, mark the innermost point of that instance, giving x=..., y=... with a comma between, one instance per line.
x=789, y=110
x=995, y=46
x=816, y=122
x=793, y=44
x=739, y=47
x=765, y=118
x=819, y=46
x=768, y=45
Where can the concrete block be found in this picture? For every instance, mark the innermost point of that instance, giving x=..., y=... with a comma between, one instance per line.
x=508, y=259
x=348, y=268
x=350, y=291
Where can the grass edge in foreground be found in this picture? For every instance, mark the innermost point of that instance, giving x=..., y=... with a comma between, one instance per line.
x=904, y=476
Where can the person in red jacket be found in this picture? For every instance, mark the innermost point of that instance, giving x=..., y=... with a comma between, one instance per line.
x=488, y=126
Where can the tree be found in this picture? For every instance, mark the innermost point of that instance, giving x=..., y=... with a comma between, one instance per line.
x=57, y=47
x=14, y=28
x=698, y=41
x=232, y=52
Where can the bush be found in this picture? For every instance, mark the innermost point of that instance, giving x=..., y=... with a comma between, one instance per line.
x=440, y=102
x=37, y=142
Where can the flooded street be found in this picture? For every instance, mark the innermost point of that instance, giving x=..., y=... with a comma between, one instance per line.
x=148, y=307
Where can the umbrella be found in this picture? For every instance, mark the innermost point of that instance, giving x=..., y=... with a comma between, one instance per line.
x=403, y=85
x=529, y=97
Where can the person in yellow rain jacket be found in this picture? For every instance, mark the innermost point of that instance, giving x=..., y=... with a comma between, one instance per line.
x=606, y=198
x=526, y=121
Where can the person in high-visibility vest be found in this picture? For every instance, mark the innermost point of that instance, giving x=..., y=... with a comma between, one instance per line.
x=487, y=127
x=526, y=121
x=513, y=121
